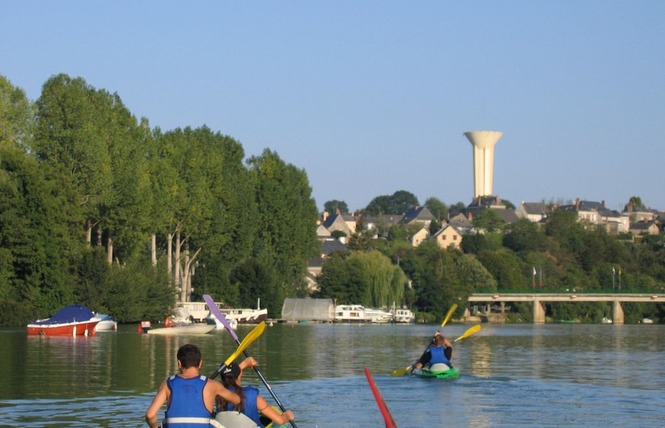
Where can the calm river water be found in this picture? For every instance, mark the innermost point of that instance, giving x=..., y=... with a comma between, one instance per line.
x=512, y=375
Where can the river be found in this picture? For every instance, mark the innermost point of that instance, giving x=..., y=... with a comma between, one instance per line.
x=512, y=375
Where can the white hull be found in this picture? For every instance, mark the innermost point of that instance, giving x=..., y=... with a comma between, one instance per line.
x=107, y=325
x=404, y=316
x=360, y=314
x=245, y=316
x=184, y=329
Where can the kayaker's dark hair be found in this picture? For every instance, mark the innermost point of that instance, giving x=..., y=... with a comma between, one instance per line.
x=230, y=381
x=189, y=356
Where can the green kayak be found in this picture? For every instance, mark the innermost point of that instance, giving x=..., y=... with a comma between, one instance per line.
x=451, y=373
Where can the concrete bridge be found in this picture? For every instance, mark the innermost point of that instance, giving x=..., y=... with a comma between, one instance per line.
x=537, y=300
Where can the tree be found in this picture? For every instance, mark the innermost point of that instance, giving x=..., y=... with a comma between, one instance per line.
x=488, y=220
x=398, y=203
x=333, y=206
x=525, y=235
x=438, y=209
x=506, y=268
x=286, y=225
x=16, y=116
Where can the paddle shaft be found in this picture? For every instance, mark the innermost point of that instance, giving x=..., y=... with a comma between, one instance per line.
x=220, y=316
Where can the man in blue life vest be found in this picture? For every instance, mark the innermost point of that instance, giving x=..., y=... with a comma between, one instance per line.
x=189, y=396
x=437, y=356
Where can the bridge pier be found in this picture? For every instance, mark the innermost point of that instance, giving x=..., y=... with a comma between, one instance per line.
x=538, y=312
x=617, y=312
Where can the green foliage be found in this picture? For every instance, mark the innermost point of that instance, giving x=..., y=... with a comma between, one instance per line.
x=286, y=221
x=367, y=278
x=334, y=205
x=488, y=221
x=397, y=203
x=525, y=235
x=438, y=209
x=254, y=281
x=474, y=244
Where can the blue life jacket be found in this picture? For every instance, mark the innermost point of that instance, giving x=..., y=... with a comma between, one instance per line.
x=249, y=396
x=187, y=408
x=438, y=355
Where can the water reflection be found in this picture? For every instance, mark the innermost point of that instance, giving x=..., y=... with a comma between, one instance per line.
x=508, y=372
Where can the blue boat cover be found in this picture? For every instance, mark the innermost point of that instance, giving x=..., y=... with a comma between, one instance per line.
x=72, y=313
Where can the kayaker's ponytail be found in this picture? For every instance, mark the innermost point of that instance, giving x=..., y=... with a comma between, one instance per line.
x=229, y=379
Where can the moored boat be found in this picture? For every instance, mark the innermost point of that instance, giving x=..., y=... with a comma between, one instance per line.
x=361, y=314
x=194, y=328
x=245, y=315
x=106, y=323
x=404, y=316
x=450, y=373
x=73, y=320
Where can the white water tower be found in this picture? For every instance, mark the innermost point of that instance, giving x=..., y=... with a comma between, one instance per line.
x=483, y=160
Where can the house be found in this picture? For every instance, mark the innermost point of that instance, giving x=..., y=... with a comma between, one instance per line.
x=595, y=213
x=638, y=214
x=490, y=203
x=336, y=222
x=418, y=237
x=447, y=236
x=461, y=223
x=418, y=215
x=533, y=211
x=644, y=228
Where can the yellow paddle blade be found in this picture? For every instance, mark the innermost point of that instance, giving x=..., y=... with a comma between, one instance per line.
x=251, y=337
x=450, y=313
x=469, y=332
x=401, y=372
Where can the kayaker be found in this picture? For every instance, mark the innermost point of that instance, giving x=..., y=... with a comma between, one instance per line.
x=188, y=394
x=252, y=404
x=438, y=355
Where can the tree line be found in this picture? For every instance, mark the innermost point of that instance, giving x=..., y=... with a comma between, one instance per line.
x=97, y=207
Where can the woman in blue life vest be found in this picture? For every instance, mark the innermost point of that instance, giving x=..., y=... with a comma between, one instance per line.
x=437, y=357
x=252, y=404
x=189, y=396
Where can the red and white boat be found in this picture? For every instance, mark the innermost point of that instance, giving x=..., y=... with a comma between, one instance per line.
x=73, y=320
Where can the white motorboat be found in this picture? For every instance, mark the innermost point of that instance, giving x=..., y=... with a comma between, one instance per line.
x=404, y=316
x=378, y=316
x=212, y=319
x=194, y=328
x=106, y=323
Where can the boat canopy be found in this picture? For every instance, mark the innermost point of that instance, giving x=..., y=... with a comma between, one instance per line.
x=68, y=314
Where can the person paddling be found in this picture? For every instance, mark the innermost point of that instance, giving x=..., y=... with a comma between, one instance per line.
x=189, y=396
x=437, y=357
x=252, y=404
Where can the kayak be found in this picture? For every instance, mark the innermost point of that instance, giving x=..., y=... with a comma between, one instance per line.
x=451, y=373
x=233, y=419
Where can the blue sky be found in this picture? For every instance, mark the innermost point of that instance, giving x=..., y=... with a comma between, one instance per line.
x=372, y=97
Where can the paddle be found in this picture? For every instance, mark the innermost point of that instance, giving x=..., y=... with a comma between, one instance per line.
x=449, y=314
x=469, y=332
x=387, y=417
x=251, y=337
x=220, y=316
